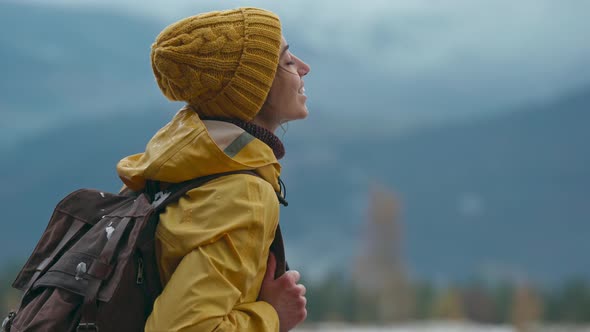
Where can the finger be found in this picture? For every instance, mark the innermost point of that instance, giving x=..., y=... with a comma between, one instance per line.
x=301, y=315
x=292, y=276
x=302, y=289
x=271, y=266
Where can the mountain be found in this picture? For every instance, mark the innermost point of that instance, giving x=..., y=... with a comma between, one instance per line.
x=59, y=66
x=70, y=65
x=501, y=195
x=507, y=195
x=72, y=51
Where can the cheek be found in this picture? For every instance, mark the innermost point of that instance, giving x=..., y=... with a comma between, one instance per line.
x=284, y=89
x=284, y=95
x=290, y=88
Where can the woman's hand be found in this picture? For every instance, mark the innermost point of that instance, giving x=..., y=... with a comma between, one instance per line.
x=284, y=294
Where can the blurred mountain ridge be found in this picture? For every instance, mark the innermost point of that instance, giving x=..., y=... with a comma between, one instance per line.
x=66, y=65
x=505, y=194
x=526, y=173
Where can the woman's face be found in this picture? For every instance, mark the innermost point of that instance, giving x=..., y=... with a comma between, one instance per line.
x=286, y=98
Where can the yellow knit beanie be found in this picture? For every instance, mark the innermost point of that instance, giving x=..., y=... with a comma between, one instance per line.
x=222, y=63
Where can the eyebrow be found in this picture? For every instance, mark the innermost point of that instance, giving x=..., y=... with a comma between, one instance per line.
x=284, y=50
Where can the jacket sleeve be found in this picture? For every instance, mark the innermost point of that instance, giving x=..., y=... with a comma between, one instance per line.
x=213, y=250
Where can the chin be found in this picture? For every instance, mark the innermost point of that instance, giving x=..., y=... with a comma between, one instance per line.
x=303, y=114
x=304, y=110
x=297, y=114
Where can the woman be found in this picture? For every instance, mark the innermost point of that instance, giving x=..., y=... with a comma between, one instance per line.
x=240, y=83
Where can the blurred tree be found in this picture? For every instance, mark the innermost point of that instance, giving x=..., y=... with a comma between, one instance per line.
x=570, y=303
x=447, y=305
x=332, y=299
x=527, y=308
x=503, y=294
x=380, y=272
x=478, y=305
x=425, y=294
x=9, y=297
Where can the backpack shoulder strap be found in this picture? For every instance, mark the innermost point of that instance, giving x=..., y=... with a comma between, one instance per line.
x=172, y=192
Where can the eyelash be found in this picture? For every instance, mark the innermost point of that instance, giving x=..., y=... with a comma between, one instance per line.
x=290, y=63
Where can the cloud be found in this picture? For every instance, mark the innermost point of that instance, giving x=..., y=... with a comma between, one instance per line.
x=460, y=56
x=532, y=42
x=411, y=35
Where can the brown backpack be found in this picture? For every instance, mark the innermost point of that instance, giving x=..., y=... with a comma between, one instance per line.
x=95, y=267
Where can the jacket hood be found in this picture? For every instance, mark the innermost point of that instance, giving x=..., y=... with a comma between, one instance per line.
x=188, y=147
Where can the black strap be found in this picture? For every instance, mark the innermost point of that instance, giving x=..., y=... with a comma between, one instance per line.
x=277, y=247
x=177, y=190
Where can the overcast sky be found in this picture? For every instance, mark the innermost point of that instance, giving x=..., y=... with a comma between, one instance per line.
x=540, y=43
x=463, y=54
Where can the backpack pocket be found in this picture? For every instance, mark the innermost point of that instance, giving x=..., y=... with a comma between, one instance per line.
x=50, y=309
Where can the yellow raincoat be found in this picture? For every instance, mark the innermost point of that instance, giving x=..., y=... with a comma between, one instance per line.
x=212, y=245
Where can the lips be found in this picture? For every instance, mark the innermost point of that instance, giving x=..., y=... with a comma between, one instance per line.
x=301, y=90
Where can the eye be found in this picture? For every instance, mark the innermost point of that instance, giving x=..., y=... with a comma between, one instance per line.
x=290, y=59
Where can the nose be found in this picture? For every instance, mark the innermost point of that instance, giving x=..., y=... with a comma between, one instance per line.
x=303, y=68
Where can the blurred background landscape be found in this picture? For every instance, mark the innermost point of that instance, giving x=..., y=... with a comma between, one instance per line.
x=443, y=173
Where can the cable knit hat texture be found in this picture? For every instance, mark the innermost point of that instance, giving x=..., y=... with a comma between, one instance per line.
x=222, y=63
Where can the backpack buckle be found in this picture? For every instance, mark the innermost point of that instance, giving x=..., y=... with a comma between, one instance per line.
x=8, y=322
x=160, y=197
x=87, y=327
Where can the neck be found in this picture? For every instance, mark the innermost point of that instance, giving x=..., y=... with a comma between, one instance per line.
x=259, y=132
x=258, y=121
